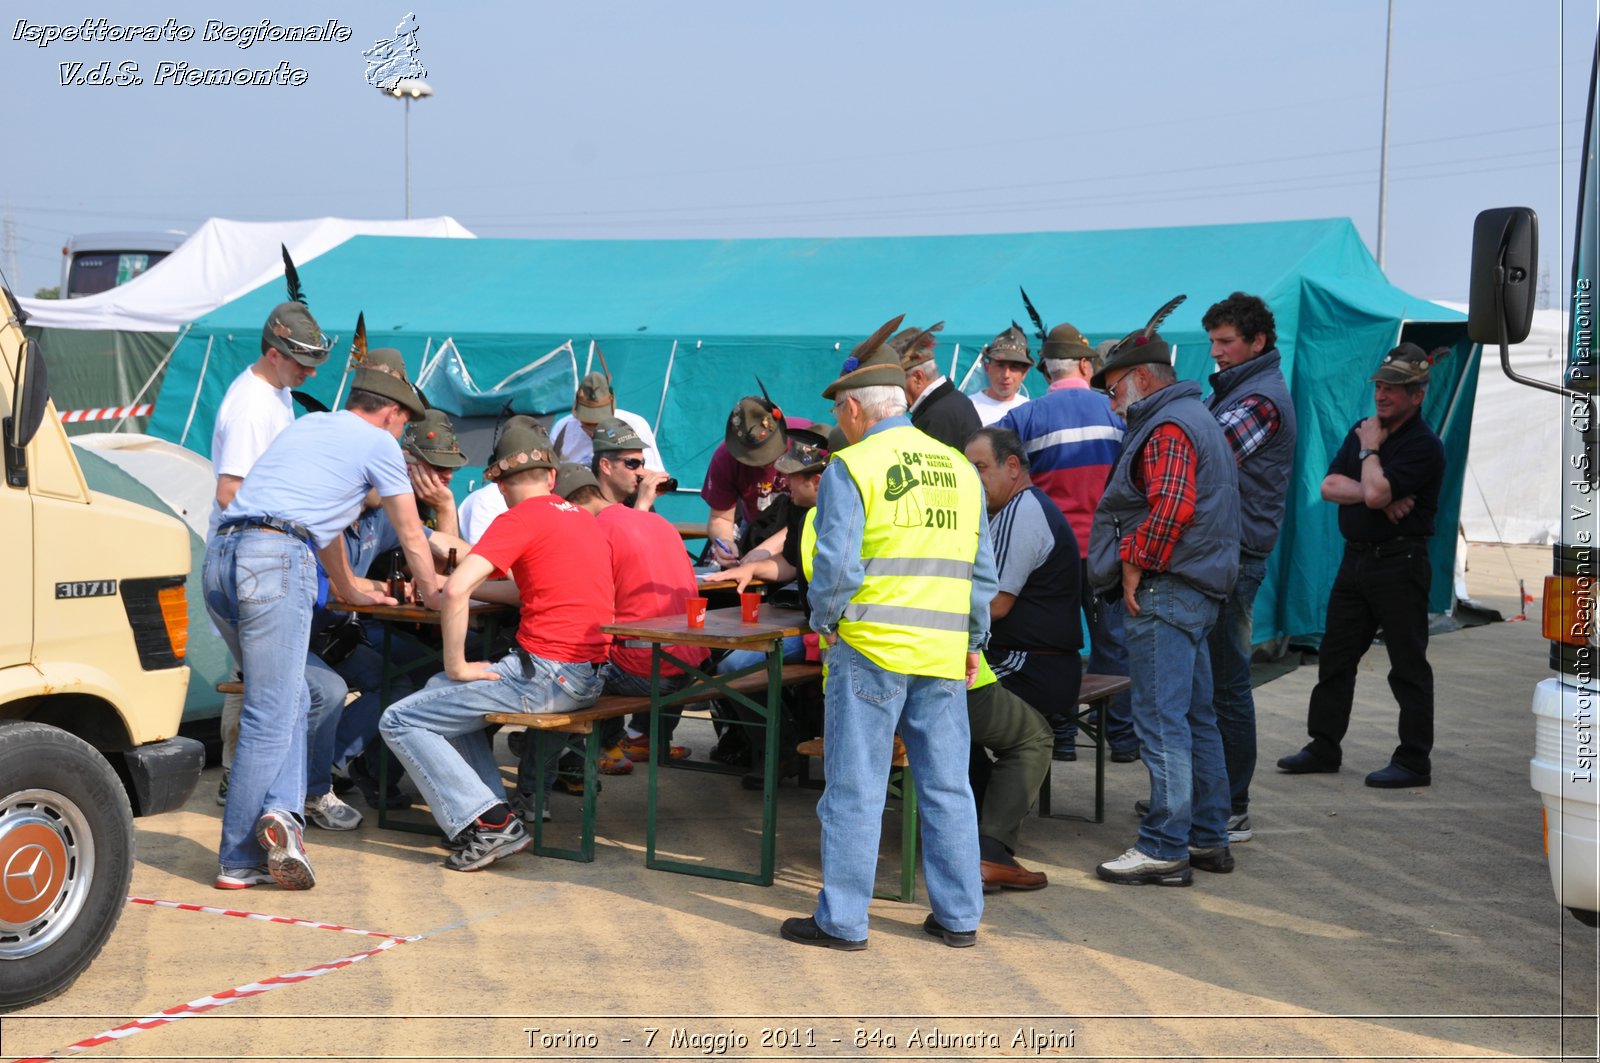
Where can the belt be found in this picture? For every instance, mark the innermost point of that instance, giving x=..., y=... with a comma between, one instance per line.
x=1380, y=549
x=526, y=660
x=271, y=524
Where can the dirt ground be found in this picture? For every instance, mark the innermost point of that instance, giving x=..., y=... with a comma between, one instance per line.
x=1360, y=923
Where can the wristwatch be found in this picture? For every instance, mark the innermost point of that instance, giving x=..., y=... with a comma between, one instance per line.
x=1365, y=453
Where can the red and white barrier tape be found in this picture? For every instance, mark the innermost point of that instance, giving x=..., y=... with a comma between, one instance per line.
x=107, y=413
x=238, y=993
x=283, y=919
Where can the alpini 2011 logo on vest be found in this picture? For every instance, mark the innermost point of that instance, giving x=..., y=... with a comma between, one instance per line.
x=923, y=488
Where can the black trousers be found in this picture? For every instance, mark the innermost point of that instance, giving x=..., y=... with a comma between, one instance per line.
x=1382, y=588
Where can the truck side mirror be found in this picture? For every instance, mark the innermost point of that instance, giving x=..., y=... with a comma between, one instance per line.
x=31, y=392
x=1505, y=248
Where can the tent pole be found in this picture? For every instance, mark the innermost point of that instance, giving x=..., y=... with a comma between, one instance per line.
x=157, y=372
x=665, y=383
x=955, y=361
x=963, y=385
x=588, y=363
x=204, y=362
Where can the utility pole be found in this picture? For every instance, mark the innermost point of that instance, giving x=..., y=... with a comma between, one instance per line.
x=1383, y=150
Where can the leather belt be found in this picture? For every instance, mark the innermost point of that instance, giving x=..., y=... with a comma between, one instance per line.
x=271, y=524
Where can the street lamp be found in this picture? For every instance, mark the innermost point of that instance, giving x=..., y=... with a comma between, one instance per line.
x=408, y=89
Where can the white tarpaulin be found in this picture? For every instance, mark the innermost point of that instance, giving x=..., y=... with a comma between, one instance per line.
x=220, y=262
x=1512, y=492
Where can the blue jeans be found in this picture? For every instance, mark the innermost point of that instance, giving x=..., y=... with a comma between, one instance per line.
x=1172, y=714
x=260, y=587
x=324, y=720
x=1230, y=645
x=439, y=735
x=1108, y=655
x=865, y=707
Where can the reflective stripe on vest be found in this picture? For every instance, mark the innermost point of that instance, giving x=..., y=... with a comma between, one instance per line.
x=923, y=505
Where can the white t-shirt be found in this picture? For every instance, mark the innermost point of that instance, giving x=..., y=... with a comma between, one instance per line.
x=479, y=509
x=572, y=443
x=991, y=410
x=252, y=414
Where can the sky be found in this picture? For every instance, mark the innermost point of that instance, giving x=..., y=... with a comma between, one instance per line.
x=630, y=119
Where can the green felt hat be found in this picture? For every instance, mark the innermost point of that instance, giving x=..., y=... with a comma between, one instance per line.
x=1141, y=347
x=433, y=440
x=1010, y=346
x=291, y=330
x=522, y=445
x=915, y=345
x=873, y=363
x=382, y=371
x=613, y=435
x=756, y=433
x=571, y=477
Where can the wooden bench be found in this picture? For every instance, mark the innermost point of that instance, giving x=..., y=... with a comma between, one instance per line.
x=901, y=786
x=1094, y=699
x=230, y=686
x=611, y=706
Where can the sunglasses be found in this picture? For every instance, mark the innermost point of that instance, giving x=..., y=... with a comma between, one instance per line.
x=633, y=464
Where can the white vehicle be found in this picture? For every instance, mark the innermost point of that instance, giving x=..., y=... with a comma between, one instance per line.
x=97, y=262
x=1565, y=707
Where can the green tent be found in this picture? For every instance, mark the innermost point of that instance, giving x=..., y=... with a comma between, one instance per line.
x=687, y=326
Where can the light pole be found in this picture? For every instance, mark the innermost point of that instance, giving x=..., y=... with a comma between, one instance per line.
x=408, y=89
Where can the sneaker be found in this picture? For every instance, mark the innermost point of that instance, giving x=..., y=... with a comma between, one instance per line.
x=484, y=845
x=330, y=813
x=1239, y=828
x=287, y=862
x=1218, y=860
x=639, y=749
x=222, y=787
x=614, y=761
x=242, y=878
x=522, y=805
x=1138, y=868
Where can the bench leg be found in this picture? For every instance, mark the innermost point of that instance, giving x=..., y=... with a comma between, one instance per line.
x=1092, y=722
x=591, y=754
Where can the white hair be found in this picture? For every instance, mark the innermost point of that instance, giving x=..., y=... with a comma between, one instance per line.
x=878, y=401
x=1055, y=368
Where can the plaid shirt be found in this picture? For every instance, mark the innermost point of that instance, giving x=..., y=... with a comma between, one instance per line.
x=1249, y=425
x=1165, y=472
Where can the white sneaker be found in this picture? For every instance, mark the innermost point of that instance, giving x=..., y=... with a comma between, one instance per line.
x=1239, y=829
x=1138, y=868
x=330, y=813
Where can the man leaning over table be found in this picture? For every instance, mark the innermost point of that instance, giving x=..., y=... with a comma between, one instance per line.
x=903, y=604
x=561, y=564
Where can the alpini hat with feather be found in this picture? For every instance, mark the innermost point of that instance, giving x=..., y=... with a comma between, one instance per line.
x=915, y=345
x=873, y=363
x=756, y=432
x=1140, y=347
x=1010, y=346
x=382, y=372
x=433, y=440
x=595, y=400
x=290, y=329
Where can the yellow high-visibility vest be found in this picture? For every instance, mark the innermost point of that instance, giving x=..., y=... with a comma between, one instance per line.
x=924, y=510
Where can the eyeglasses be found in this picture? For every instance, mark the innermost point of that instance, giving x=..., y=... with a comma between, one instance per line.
x=1111, y=389
x=633, y=464
x=839, y=404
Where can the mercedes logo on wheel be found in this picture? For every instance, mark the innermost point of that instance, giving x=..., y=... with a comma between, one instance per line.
x=27, y=874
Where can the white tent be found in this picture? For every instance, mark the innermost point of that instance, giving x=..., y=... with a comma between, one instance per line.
x=1512, y=492
x=220, y=262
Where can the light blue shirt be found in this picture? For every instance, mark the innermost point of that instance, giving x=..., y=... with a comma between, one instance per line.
x=318, y=470
x=837, y=570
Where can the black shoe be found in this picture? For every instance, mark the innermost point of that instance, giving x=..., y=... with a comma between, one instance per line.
x=756, y=777
x=1124, y=756
x=362, y=776
x=1218, y=861
x=1305, y=763
x=805, y=931
x=956, y=939
x=1397, y=777
x=1064, y=753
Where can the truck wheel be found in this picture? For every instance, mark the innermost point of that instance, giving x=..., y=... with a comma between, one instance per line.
x=66, y=857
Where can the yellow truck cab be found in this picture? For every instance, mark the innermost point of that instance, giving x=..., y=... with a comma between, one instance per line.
x=92, y=682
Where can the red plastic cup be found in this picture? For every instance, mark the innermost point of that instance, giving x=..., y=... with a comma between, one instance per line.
x=750, y=607
x=696, y=612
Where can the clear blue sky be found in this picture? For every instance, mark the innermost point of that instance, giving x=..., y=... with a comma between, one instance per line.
x=721, y=119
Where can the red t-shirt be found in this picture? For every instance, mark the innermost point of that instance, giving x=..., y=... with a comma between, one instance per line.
x=653, y=577
x=563, y=573
x=730, y=483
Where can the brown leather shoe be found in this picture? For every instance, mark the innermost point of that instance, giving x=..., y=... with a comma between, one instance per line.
x=1010, y=877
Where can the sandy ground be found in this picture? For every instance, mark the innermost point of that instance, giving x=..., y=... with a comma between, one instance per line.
x=1360, y=923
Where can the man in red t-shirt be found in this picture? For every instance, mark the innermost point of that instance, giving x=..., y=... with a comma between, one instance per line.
x=562, y=570
x=652, y=576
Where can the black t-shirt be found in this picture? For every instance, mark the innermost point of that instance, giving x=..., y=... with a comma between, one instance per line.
x=1413, y=460
x=1036, y=555
x=791, y=547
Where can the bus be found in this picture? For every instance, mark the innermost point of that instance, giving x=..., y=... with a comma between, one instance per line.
x=97, y=262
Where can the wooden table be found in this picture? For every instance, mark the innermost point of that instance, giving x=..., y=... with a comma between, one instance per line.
x=689, y=529
x=723, y=630
x=485, y=616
